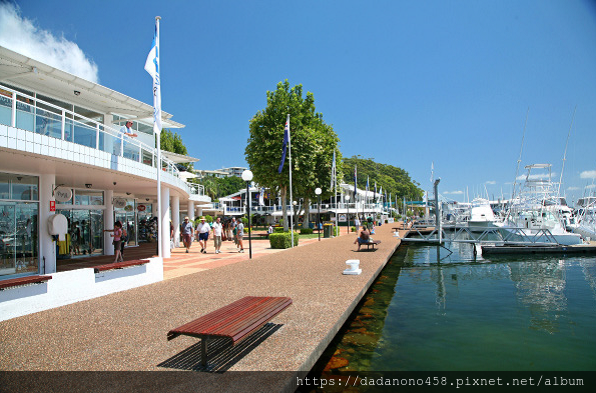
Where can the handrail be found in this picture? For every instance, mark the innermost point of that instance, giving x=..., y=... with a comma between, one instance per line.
x=66, y=125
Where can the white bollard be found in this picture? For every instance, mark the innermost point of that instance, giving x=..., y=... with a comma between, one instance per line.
x=353, y=267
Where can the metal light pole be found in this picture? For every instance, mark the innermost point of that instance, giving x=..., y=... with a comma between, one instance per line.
x=347, y=198
x=247, y=177
x=318, y=191
x=438, y=210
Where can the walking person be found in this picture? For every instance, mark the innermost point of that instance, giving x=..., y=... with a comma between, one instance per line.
x=217, y=232
x=203, y=229
x=123, y=241
x=117, y=235
x=240, y=234
x=186, y=229
x=230, y=228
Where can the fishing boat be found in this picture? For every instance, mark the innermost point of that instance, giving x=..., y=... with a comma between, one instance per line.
x=482, y=216
x=531, y=216
x=586, y=218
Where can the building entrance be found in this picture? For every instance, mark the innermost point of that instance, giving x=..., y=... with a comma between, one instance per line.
x=19, y=249
x=85, y=233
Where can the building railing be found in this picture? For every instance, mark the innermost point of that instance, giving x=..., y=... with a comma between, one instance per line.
x=314, y=208
x=196, y=189
x=28, y=113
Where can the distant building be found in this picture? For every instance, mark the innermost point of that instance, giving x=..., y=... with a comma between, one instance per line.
x=233, y=171
x=203, y=172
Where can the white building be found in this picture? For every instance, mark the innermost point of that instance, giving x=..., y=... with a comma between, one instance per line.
x=61, y=152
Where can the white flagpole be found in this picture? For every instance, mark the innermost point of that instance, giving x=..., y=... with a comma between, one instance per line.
x=152, y=67
x=291, y=197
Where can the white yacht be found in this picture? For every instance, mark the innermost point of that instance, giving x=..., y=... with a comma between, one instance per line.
x=586, y=218
x=532, y=213
x=482, y=216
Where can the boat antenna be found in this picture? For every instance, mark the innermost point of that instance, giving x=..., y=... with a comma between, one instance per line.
x=520, y=154
x=565, y=154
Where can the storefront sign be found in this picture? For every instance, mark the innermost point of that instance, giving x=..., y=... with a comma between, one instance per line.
x=63, y=194
x=342, y=218
x=141, y=208
x=52, y=206
x=119, y=202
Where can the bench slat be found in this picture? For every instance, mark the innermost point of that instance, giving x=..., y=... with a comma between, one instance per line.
x=14, y=282
x=235, y=320
x=119, y=265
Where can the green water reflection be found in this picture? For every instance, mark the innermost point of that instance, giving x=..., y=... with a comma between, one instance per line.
x=467, y=313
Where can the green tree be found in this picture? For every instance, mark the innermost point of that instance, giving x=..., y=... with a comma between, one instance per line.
x=216, y=187
x=312, y=141
x=172, y=142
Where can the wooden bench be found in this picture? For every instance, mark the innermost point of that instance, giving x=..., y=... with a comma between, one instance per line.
x=235, y=321
x=372, y=244
x=16, y=282
x=119, y=265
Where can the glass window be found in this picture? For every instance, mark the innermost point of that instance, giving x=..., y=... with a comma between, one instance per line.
x=55, y=102
x=89, y=114
x=24, y=187
x=4, y=186
x=19, y=187
x=84, y=197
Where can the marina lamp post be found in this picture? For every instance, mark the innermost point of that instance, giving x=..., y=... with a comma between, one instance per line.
x=347, y=198
x=247, y=177
x=294, y=211
x=318, y=191
x=438, y=209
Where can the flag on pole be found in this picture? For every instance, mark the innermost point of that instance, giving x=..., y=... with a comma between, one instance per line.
x=333, y=169
x=432, y=171
x=262, y=197
x=152, y=67
x=376, y=196
x=284, y=148
x=355, y=184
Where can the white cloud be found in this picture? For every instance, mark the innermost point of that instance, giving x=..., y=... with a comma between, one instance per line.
x=588, y=175
x=22, y=36
x=573, y=188
x=591, y=186
x=490, y=182
x=453, y=192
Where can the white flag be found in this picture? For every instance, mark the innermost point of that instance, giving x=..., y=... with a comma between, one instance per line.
x=152, y=67
x=333, y=170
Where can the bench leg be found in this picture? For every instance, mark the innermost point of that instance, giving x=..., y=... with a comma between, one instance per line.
x=204, y=352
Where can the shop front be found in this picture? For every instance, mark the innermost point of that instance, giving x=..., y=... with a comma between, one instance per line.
x=84, y=212
x=19, y=208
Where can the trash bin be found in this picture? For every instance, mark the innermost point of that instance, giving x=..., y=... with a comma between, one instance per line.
x=327, y=230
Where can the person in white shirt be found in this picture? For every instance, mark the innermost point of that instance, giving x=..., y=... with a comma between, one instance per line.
x=217, y=230
x=203, y=229
x=127, y=133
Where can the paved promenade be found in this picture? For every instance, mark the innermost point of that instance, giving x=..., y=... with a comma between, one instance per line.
x=126, y=331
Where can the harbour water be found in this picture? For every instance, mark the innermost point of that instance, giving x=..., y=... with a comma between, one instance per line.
x=444, y=309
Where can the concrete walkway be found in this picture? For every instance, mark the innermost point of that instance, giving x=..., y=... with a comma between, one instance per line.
x=127, y=330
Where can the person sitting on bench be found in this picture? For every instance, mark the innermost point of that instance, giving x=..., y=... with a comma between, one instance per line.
x=364, y=237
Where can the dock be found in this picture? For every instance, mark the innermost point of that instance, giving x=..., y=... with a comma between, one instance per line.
x=588, y=248
x=126, y=331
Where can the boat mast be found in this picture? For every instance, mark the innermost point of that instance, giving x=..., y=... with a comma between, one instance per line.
x=565, y=153
x=518, y=162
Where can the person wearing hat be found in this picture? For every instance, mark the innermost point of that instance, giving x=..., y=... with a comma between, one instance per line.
x=203, y=228
x=186, y=229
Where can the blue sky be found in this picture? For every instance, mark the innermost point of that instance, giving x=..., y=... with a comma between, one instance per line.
x=408, y=83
